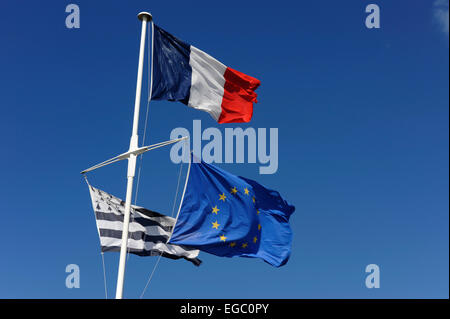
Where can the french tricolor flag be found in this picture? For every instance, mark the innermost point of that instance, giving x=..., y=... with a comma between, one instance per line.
x=184, y=73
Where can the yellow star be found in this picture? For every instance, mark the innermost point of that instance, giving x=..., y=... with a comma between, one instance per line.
x=215, y=225
x=255, y=239
x=244, y=245
x=233, y=244
x=257, y=212
x=222, y=197
x=223, y=238
x=215, y=210
x=246, y=191
x=259, y=226
x=233, y=190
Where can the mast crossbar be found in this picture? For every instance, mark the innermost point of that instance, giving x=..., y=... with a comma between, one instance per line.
x=135, y=152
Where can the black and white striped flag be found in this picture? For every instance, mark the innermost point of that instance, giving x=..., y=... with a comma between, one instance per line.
x=148, y=230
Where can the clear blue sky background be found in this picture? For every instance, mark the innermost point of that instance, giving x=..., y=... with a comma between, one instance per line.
x=363, y=144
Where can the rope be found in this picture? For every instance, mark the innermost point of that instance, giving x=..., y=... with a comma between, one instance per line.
x=101, y=252
x=86, y=179
x=182, y=195
x=160, y=254
x=104, y=275
x=150, y=277
x=150, y=89
x=150, y=92
x=176, y=192
x=173, y=207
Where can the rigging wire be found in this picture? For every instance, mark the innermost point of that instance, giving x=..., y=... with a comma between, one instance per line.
x=104, y=274
x=151, y=276
x=101, y=252
x=150, y=87
x=176, y=192
x=173, y=207
x=171, y=215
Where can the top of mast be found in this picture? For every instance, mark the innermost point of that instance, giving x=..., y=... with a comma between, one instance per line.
x=143, y=14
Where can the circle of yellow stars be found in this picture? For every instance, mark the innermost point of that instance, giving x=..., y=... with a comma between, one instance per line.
x=215, y=225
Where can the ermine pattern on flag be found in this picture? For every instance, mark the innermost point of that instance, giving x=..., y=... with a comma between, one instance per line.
x=148, y=230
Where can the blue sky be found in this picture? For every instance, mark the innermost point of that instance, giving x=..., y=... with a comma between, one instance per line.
x=363, y=144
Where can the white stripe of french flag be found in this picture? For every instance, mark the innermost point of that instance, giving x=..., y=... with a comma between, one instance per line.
x=226, y=94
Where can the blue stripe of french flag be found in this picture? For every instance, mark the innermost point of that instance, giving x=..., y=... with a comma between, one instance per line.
x=185, y=73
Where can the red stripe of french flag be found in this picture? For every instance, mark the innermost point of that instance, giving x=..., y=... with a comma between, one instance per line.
x=226, y=94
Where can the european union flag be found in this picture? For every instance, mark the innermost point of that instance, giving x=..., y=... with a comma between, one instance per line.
x=229, y=216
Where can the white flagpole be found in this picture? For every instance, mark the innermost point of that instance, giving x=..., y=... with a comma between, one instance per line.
x=144, y=17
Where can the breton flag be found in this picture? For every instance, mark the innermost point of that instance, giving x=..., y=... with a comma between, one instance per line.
x=186, y=74
x=148, y=230
x=233, y=216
